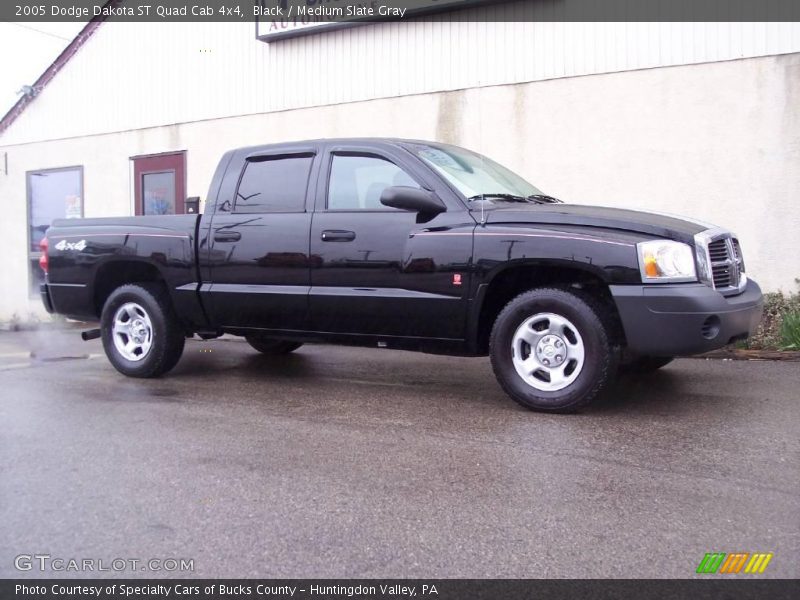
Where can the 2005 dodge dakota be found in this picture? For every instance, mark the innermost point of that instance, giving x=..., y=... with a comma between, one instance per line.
x=405, y=244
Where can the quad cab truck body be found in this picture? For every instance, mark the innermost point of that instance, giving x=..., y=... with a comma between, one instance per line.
x=412, y=245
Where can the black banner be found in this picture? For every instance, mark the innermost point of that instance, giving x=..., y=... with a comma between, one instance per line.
x=732, y=588
x=398, y=10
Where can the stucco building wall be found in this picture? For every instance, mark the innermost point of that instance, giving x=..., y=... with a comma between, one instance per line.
x=716, y=141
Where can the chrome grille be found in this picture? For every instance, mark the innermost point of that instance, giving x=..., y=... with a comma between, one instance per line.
x=725, y=256
x=718, y=250
x=737, y=253
x=723, y=276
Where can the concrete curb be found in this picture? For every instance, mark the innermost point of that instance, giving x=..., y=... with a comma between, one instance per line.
x=746, y=354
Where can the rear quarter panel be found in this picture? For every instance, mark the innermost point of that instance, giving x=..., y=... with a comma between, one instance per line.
x=81, y=250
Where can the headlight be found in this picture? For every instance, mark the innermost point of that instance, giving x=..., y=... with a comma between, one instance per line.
x=666, y=261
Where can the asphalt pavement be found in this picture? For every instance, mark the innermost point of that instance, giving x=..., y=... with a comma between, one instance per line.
x=348, y=462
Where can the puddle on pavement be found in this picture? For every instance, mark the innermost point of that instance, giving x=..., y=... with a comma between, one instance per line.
x=163, y=393
x=142, y=392
x=43, y=357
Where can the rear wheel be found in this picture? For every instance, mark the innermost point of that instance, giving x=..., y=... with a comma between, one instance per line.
x=141, y=334
x=551, y=349
x=272, y=346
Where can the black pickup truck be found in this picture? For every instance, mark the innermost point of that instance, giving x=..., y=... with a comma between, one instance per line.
x=405, y=244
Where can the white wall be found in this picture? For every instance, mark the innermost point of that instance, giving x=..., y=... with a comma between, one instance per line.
x=717, y=141
x=134, y=75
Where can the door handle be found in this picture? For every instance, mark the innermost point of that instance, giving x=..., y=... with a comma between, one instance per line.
x=338, y=235
x=227, y=236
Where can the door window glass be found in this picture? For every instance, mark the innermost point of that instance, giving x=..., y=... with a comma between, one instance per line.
x=274, y=185
x=357, y=182
x=52, y=194
x=158, y=190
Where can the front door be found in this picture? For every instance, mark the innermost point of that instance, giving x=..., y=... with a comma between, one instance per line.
x=159, y=184
x=258, y=245
x=374, y=274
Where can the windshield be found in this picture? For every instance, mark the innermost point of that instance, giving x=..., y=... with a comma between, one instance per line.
x=475, y=176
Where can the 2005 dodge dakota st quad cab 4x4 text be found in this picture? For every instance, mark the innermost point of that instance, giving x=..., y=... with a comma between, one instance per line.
x=405, y=244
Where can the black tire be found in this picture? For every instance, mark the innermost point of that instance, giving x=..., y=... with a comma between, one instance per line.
x=167, y=337
x=271, y=346
x=644, y=364
x=594, y=326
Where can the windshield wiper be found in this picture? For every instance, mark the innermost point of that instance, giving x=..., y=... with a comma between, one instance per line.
x=507, y=197
x=544, y=199
x=534, y=198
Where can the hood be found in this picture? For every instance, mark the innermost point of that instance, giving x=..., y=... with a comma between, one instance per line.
x=659, y=225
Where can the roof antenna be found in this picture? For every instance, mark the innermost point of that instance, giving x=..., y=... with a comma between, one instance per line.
x=483, y=195
x=480, y=133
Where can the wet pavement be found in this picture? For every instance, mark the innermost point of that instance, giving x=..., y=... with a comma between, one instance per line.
x=347, y=462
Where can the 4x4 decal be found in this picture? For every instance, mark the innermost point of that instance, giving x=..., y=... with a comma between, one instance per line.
x=65, y=245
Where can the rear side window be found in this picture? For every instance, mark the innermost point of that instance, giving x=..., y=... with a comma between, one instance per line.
x=357, y=182
x=274, y=185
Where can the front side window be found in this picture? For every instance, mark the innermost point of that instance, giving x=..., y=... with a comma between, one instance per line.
x=357, y=182
x=274, y=185
x=52, y=194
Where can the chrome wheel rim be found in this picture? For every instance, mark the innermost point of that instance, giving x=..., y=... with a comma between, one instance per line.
x=548, y=352
x=132, y=332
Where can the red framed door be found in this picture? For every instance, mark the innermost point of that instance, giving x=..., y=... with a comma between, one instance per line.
x=160, y=184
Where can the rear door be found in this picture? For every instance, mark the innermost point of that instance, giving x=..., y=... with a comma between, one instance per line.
x=258, y=242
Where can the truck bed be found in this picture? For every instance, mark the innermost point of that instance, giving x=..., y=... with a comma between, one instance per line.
x=104, y=250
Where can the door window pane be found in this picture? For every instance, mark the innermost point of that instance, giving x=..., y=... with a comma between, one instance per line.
x=357, y=182
x=274, y=185
x=52, y=194
x=158, y=190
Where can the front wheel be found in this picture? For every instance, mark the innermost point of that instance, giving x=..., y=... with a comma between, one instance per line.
x=141, y=334
x=551, y=349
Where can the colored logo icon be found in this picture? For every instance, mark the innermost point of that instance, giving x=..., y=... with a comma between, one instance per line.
x=737, y=562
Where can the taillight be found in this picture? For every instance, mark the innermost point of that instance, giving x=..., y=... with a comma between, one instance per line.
x=43, y=246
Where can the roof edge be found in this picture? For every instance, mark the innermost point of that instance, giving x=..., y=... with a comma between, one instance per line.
x=53, y=69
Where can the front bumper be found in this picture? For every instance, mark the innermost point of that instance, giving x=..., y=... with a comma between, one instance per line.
x=684, y=319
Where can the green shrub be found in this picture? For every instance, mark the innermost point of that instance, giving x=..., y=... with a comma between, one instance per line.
x=780, y=324
x=790, y=331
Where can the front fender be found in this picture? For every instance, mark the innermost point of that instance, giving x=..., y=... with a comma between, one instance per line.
x=606, y=254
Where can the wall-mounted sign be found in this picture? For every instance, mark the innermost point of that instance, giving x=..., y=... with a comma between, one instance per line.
x=278, y=29
x=280, y=19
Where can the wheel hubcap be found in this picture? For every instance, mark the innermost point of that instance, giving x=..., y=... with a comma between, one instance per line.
x=548, y=352
x=132, y=332
x=551, y=350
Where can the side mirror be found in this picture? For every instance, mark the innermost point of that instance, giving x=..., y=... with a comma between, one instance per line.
x=412, y=199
